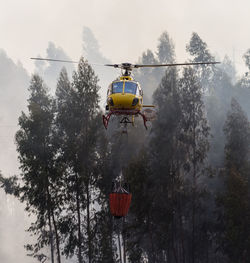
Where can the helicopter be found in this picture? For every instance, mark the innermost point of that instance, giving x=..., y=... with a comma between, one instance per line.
x=125, y=95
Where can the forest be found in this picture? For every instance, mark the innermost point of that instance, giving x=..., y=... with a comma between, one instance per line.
x=188, y=173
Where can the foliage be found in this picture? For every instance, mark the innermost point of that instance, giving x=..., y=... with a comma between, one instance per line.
x=190, y=190
x=233, y=203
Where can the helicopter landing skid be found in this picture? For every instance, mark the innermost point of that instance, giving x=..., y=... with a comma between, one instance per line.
x=125, y=119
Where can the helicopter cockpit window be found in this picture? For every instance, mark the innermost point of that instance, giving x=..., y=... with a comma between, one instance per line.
x=130, y=87
x=117, y=87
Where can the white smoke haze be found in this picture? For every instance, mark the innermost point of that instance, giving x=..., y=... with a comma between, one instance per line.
x=92, y=52
x=48, y=70
x=27, y=26
x=103, y=32
x=14, y=81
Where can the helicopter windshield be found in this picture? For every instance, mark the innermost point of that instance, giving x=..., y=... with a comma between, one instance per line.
x=117, y=87
x=130, y=87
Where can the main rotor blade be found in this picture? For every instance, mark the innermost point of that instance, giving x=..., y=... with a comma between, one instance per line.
x=174, y=64
x=60, y=60
x=57, y=60
x=131, y=66
x=113, y=65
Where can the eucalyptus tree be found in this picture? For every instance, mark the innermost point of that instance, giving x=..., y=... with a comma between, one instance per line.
x=247, y=58
x=154, y=178
x=165, y=49
x=150, y=77
x=36, y=156
x=237, y=131
x=139, y=225
x=195, y=137
x=242, y=90
x=78, y=123
x=198, y=49
x=233, y=203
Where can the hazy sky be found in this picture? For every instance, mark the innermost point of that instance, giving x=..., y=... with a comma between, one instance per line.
x=124, y=29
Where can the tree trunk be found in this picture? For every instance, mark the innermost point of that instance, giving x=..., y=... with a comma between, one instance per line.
x=111, y=239
x=193, y=229
x=173, y=243
x=194, y=197
x=120, y=248
x=57, y=238
x=151, y=240
x=80, y=259
x=124, y=247
x=49, y=206
x=88, y=224
x=51, y=237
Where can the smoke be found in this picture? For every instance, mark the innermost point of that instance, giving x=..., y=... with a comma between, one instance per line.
x=50, y=70
x=14, y=81
x=92, y=52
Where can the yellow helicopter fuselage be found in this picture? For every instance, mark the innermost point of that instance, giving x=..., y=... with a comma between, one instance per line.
x=124, y=94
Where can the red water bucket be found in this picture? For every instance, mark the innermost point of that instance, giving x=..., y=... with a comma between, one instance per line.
x=119, y=203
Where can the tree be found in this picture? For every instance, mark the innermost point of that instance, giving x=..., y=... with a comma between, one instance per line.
x=237, y=133
x=36, y=155
x=165, y=160
x=195, y=137
x=150, y=77
x=200, y=53
x=234, y=217
x=139, y=222
x=217, y=102
x=146, y=76
x=165, y=49
x=247, y=58
x=77, y=125
x=233, y=202
x=167, y=179
x=49, y=69
x=154, y=179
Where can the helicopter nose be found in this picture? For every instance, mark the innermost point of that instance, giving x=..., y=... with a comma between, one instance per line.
x=124, y=101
